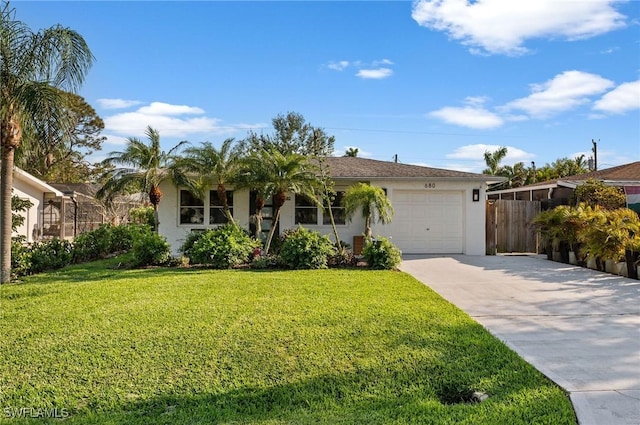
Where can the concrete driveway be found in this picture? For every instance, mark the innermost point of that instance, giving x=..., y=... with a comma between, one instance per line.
x=579, y=327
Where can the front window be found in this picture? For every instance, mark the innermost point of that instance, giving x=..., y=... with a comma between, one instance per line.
x=191, y=208
x=306, y=211
x=216, y=209
x=336, y=209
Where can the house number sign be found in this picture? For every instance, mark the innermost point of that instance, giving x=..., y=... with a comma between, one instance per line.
x=429, y=185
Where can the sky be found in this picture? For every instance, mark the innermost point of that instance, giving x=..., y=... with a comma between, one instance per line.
x=435, y=82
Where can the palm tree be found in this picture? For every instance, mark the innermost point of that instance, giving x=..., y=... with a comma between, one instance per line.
x=213, y=166
x=352, y=152
x=33, y=65
x=371, y=201
x=493, y=159
x=143, y=166
x=272, y=173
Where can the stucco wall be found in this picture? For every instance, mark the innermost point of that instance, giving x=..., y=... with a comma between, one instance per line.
x=33, y=215
x=473, y=213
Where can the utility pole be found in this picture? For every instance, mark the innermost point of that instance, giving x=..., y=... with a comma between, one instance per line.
x=595, y=155
x=533, y=169
x=395, y=158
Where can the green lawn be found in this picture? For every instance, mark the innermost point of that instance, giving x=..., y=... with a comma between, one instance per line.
x=187, y=346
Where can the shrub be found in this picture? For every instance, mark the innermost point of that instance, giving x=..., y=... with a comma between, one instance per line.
x=380, y=253
x=92, y=245
x=263, y=262
x=20, y=259
x=594, y=192
x=150, y=249
x=192, y=237
x=143, y=215
x=50, y=255
x=122, y=237
x=222, y=248
x=304, y=249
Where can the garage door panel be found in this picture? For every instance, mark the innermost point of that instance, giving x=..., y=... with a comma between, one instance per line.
x=428, y=222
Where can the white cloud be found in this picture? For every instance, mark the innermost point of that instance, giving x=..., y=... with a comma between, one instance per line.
x=161, y=108
x=376, y=70
x=476, y=152
x=503, y=26
x=117, y=103
x=563, y=92
x=468, y=116
x=114, y=140
x=624, y=98
x=170, y=120
x=338, y=66
x=374, y=74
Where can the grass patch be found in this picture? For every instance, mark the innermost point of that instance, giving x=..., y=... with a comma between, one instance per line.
x=178, y=346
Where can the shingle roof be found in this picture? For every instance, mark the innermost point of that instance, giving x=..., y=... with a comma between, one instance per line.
x=363, y=168
x=88, y=189
x=626, y=172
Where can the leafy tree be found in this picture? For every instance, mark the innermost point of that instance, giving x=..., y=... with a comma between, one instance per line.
x=214, y=166
x=594, y=192
x=562, y=167
x=33, y=65
x=292, y=135
x=371, y=201
x=18, y=206
x=143, y=166
x=55, y=155
x=272, y=173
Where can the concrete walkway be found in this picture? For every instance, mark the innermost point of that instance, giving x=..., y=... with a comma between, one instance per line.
x=579, y=327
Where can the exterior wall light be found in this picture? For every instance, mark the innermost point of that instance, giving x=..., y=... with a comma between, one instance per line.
x=476, y=195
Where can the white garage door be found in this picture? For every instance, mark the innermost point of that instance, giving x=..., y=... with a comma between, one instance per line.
x=428, y=222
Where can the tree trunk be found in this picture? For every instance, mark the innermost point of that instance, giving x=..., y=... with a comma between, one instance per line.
x=222, y=195
x=333, y=225
x=5, y=219
x=155, y=194
x=267, y=244
x=11, y=135
x=368, y=234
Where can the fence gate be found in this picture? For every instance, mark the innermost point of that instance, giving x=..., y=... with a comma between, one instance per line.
x=507, y=226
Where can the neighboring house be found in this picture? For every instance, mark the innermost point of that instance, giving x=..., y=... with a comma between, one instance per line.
x=436, y=211
x=560, y=191
x=39, y=193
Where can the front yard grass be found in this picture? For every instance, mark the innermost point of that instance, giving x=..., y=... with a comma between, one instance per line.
x=186, y=346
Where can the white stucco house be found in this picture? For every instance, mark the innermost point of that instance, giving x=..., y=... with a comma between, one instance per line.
x=39, y=193
x=437, y=211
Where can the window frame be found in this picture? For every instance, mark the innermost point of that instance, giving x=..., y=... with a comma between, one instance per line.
x=304, y=208
x=219, y=207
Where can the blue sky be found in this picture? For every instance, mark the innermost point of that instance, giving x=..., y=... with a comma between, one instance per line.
x=436, y=82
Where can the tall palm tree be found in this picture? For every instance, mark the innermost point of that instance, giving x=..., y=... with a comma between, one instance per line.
x=352, y=152
x=272, y=173
x=214, y=166
x=32, y=66
x=371, y=201
x=493, y=159
x=143, y=166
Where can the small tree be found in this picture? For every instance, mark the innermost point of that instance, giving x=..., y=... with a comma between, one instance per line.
x=594, y=192
x=371, y=201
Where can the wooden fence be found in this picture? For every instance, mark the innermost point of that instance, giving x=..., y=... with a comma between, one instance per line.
x=507, y=226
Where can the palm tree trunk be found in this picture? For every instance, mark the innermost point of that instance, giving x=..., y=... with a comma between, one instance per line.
x=222, y=195
x=368, y=234
x=276, y=217
x=11, y=135
x=5, y=218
